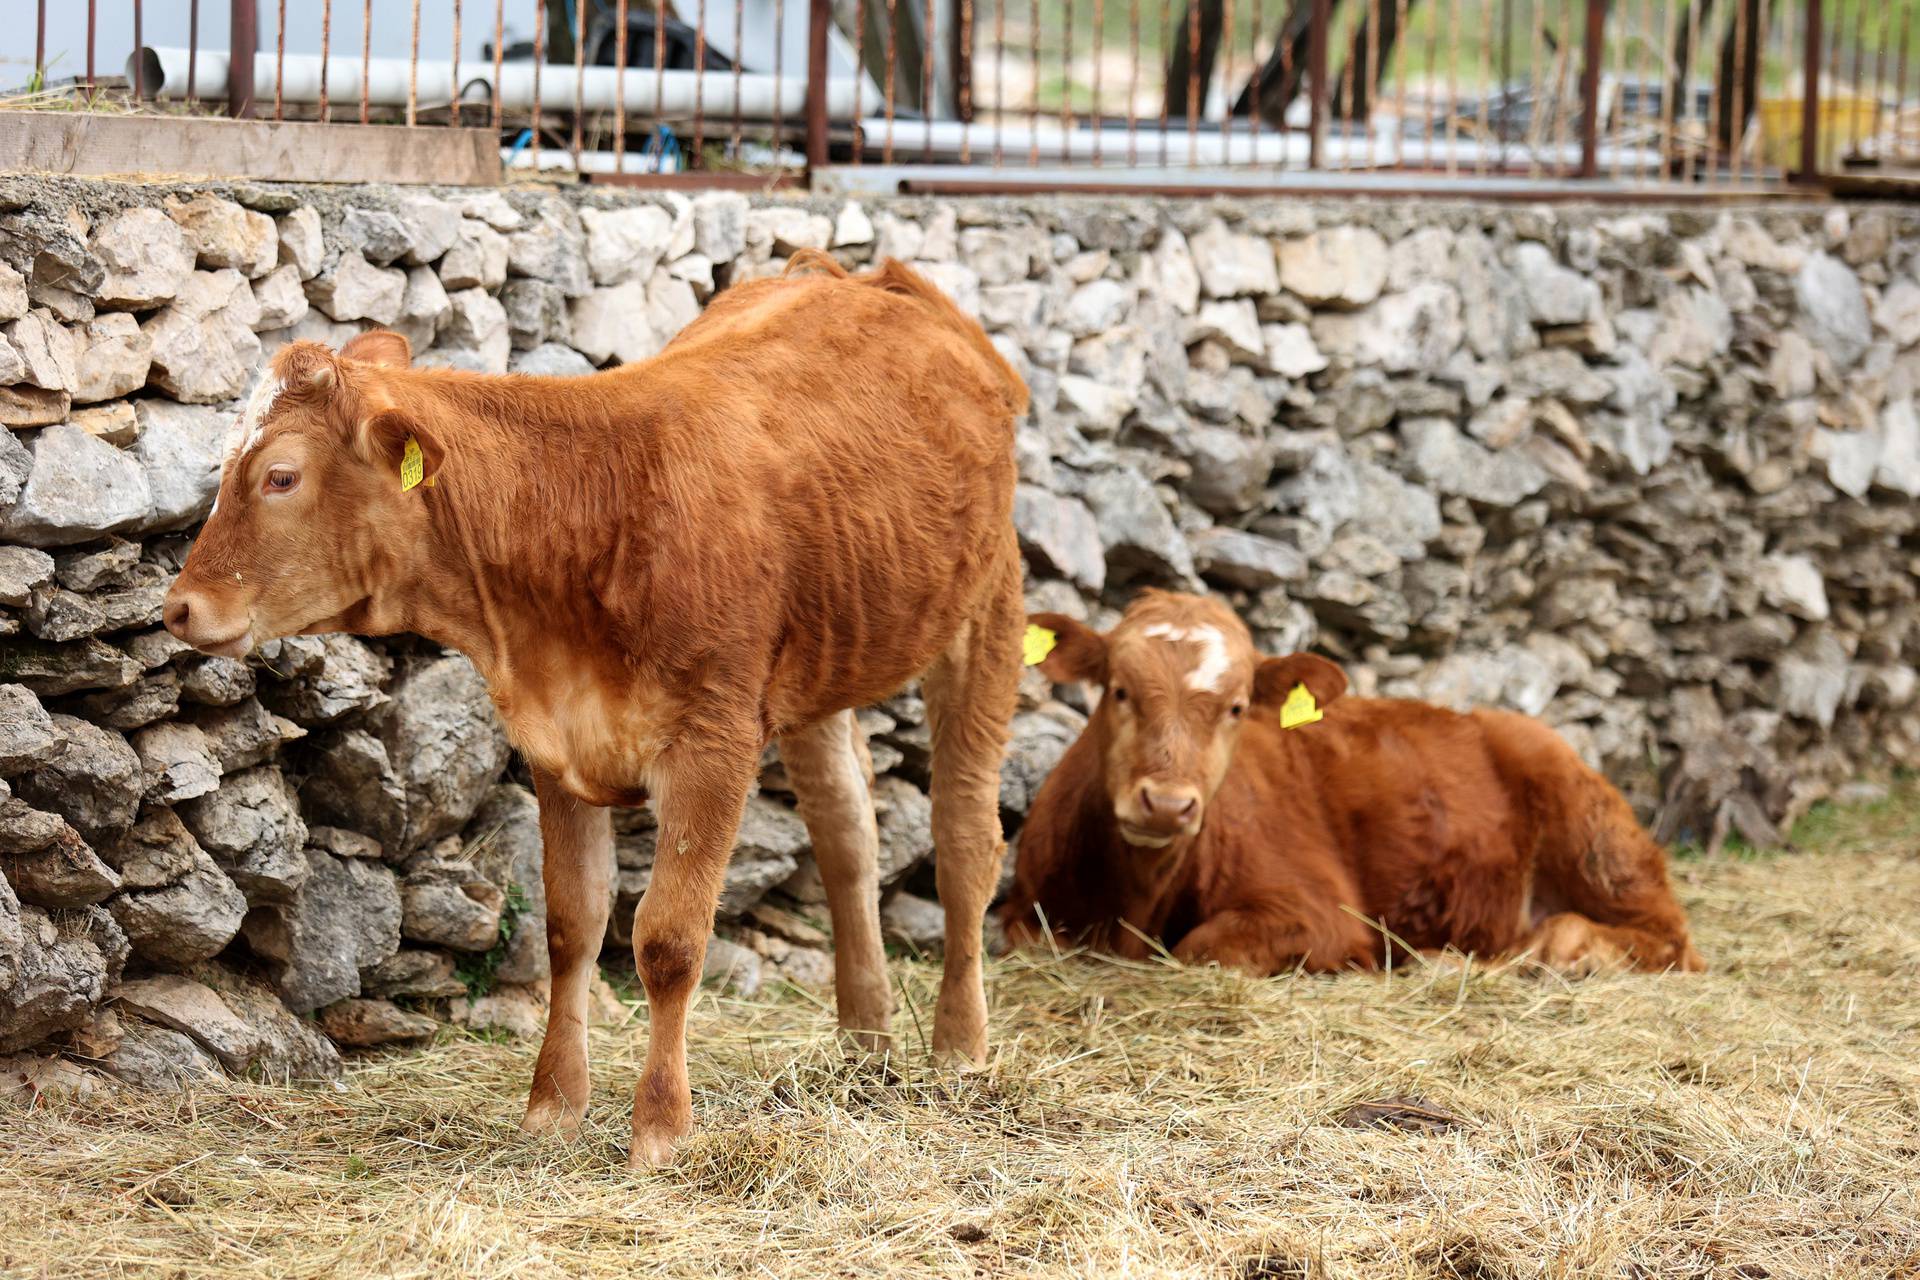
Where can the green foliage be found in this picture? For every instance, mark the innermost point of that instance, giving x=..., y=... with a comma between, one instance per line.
x=479, y=972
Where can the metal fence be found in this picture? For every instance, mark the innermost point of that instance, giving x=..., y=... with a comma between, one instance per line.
x=1703, y=95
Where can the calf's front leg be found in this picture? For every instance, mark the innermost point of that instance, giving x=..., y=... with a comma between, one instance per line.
x=576, y=861
x=700, y=793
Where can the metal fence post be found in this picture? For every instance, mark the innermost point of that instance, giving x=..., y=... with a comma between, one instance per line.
x=819, y=15
x=1317, y=79
x=1596, y=53
x=1810, y=99
x=245, y=40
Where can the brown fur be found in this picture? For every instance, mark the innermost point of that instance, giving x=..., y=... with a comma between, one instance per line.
x=1324, y=846
x=797, y=507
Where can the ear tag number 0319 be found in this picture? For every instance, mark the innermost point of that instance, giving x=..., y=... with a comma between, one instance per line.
x=1299, y=709
x=413, y=467
x=1037, y=644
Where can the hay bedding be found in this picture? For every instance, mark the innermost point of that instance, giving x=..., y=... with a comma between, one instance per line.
x=1762, y=1120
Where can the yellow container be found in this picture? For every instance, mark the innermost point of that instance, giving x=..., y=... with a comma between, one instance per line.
x=1843, y=120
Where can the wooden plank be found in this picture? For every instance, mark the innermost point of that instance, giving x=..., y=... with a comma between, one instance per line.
x=149, y=147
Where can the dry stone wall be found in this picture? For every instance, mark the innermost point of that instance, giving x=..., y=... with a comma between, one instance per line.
x=1648, y=474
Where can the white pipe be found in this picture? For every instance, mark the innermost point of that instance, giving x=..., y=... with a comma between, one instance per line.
x=1209, y=147
x=648, y=93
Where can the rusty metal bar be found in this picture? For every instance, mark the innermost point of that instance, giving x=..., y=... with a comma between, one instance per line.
x=926, y=81
x=1253, y=84
x=620, y=97
x=1099, y=19
x=660, y=76
x=1879, y=71
x=1317, y=81
x=93, y=22
x=366, y=54
x=1166, y=47
x=1226, y=80
x=963, y=78
x=243, y=36
x=139, y=43
x=499, y=52
x=280, y=63
x=1453, y=89
x=193, y=52
x=779, y=118
x=1900, y=100
x=1400, y=83
x=453, y=77
x=1066, y=62
x=819, y=17
x=1194, y=103
x=40, y=44
x=700, y=83
x=1590, y=88
x=580, y=77
x=893, y=54
x=539, y=57
x=859, y=78
x=1486, y=93
x=1853, y=115
x=1737, y=135
x=1133, y=84
x=999, y=74
x=734, y=141
x=1369, y=78
x=326, y=54
x=1810, y=97
x=413, y=67
x=1033, y=81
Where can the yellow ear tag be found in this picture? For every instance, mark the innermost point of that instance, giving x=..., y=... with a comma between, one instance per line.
x=1299, y=709
x=413, y=466
x=1038, y=644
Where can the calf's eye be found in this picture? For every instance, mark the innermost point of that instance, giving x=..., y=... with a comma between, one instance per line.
x=1119, y=695
x=282, y=479
x=1236, y=711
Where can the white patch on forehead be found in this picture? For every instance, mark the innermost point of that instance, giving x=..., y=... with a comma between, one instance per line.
x=251, y=425
x=1212, y=667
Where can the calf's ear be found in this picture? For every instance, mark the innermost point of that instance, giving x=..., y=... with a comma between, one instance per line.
x=1076, y=653
x=379, y=346
x=410, y=452
x=1275, y=678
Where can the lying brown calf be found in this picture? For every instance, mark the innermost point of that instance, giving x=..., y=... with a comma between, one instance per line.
x=1190, y=813
x=801, y=504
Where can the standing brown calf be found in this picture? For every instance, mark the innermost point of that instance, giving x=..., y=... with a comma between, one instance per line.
x=799, y=506
x=1188, y=814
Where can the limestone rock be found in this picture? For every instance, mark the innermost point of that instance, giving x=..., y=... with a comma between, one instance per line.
x=159, y=1060
x=146, y=257
x=204, y=349
x=477, y=259
x=61, y=965
x=361, y=1024
x=252, y=827
x=111, y=360
x=1233, y=265
x=1246, y=560
x=188, y=919
x=95, y=783
x=1339, y=266
x=1059, y=535
x=301, y=243
x=350, y=288
x=345, y=677
x=1140, y=537
x=64, y=872
x=176, y=762
x=28, y=735
x=345, y=917
x=625, y=244
x=223, y=234
x=1835, y=309
x=181, y=449
x=446, y=905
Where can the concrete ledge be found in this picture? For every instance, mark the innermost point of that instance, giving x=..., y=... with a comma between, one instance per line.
x=151, y=147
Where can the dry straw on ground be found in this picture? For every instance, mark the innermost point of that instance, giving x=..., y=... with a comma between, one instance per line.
x=1762, y=1120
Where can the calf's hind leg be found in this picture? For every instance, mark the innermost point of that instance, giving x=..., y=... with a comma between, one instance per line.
x=829, y=773
x=575, y=865
x=970, y=692
x=1609, y=880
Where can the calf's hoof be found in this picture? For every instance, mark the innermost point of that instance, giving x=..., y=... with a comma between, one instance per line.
x=551, y=1117
x=1573, y=945
x=654, y=1147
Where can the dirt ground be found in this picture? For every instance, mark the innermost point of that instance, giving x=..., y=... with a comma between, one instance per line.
x=1136, y=1120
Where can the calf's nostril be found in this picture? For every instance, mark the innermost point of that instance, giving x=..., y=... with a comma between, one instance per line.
x=1186, y=810
x=175, y=617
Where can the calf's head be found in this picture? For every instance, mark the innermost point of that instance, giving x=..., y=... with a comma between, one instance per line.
x=1180, y=680
x=311, y=517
